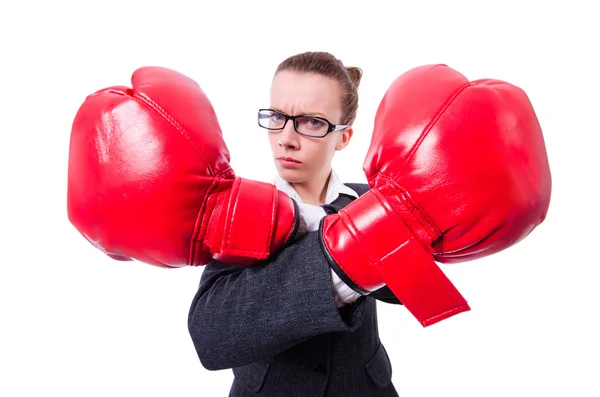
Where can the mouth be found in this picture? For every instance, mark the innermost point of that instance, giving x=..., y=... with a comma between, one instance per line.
x=289, y=160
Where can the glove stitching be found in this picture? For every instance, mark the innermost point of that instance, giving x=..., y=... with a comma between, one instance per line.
x=201, y=214
x=179, y=128
x=432, y=123
x=200, y=221
x=424, y=219
x=433, y=231
x=273, y=220
x=234, y=193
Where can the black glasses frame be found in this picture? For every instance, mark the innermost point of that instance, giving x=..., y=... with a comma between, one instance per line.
x=331, y=127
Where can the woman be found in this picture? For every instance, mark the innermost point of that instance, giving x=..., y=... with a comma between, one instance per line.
x=291, y=327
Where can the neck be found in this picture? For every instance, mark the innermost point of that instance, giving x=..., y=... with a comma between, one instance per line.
x=313, y=191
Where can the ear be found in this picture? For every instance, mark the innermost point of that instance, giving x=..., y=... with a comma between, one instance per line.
x=344, y=138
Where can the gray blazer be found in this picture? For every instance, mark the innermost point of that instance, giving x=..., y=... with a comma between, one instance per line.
x=277, y=327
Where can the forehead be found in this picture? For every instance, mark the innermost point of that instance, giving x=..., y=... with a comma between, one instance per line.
x=305, y=93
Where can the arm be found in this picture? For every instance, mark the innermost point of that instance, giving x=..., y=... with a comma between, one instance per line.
x=244, y=314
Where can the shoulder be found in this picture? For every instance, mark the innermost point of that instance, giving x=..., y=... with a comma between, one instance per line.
x=360, y=188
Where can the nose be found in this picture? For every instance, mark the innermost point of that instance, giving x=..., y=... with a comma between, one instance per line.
x=288, y=137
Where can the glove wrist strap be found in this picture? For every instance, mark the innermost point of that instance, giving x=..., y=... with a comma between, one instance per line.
x=370, y=243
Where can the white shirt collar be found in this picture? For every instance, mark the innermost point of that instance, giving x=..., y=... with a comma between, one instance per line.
x=334, y=188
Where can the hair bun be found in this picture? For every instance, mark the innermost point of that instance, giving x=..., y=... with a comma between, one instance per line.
x=355, y=74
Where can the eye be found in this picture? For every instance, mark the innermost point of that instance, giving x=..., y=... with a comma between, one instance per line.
x=271, y=119
x=313, y=123
x=276, y=117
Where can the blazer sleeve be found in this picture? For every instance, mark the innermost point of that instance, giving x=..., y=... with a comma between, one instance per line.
x=243, y=314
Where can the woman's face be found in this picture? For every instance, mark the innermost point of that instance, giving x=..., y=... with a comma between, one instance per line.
x=306, y=94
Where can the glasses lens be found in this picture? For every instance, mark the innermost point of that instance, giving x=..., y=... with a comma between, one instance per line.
x=312, y=126
x=271, y=119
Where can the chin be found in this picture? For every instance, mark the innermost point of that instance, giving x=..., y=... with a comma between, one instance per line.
x=291, y=176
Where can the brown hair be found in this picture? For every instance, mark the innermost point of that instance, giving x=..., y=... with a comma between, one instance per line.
x=327, y=65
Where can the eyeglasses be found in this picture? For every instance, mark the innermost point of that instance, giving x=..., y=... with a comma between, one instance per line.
x=315, y=127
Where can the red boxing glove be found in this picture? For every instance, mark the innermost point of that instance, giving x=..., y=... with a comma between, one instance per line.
x=458, y=171
x=149, y=179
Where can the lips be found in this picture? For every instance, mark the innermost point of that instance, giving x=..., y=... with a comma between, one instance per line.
x=288, y=159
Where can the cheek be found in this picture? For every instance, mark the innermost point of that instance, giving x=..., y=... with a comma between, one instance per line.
x=272, y=141
x=329, y=148
x=321, y=153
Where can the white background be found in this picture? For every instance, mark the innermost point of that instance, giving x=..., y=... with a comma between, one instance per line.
x=76, y=323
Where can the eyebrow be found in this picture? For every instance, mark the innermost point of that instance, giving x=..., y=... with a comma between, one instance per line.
x=304, y=113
